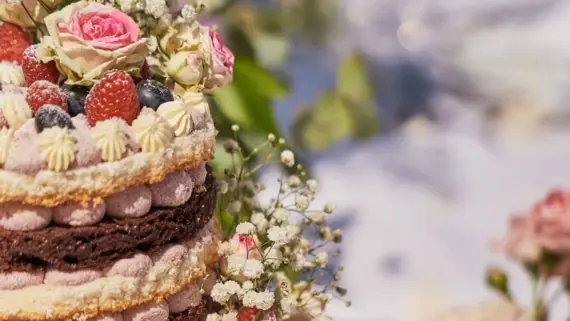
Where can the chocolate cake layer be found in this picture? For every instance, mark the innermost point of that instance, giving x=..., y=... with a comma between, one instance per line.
x=199, y=313
x=99, y=246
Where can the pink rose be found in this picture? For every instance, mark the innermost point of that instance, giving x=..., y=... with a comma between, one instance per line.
x=222, y=60
x=86, y=39
x=102, y=27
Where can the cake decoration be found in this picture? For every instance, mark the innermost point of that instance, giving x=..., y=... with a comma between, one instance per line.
x=57, y=147
x=178, y=116
x=111, y=138
x=76, y=96
x=35, y=70
x=115, y=95
x=13, y=39
x=152, y=94
x=11, y=74
x=15, y=109
x=152, y=132
x=6, y=137
x=51, y=115
x=43, y=92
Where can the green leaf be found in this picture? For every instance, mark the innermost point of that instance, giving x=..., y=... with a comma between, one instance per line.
x=323, y=124
x=271, y=50
x=227, y=221
x=355, y=87
x=246, y=101
x=255, y=76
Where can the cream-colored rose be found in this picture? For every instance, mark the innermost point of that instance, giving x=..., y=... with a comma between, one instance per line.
x=180, y=37
x=16, y=14
x=86, y=39
x=186, y=68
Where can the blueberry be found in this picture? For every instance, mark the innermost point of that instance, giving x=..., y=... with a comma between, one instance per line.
x=51, y=115
x=153, y=94
x=75, y=98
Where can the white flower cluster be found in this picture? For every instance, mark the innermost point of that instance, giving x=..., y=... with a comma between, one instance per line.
x=285, y=235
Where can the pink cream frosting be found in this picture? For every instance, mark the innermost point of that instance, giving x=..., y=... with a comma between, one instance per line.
x=24, y=156
x=133, y=202
x=18, y=280
x=174, y=190
x=75, y=214
x=198, y=174
x=56, y=277
x=107, y=317
x=137, y=266
x=22, y=217
x=87, y=152
x=152, y=311
x=185, y=299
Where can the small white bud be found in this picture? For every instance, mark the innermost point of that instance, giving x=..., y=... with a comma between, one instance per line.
x=288, y=158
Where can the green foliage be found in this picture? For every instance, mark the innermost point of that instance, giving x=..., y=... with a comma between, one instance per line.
x=347, y=111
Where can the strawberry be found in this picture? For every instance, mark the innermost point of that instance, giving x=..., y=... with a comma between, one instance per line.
x=35, y=70
x=114, y=96
x=249, y=314
x=13, y=42
x=43, y=92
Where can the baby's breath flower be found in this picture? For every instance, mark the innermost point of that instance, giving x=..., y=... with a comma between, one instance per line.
x=253, y=269
x=247, y=285
x=235, y=128
x=329, y=208
x=245, y=228
x=259, y=300
x=312, y=185
x=293, y=231
x=304, y=243
x=322, y=259
x=271, y=138
x=259, y=220
x=152, y=43
x=273, y=257
x=294, y=181
x=299, y=261
x=337, y=235
x=278, y=235
x=325, y=234
x=156, y=8
x=281, y=141
x=281, y=214
x=188, y=13
x=301, y=202
x=225, y=248
x=288, y=158
x=318, y=217
x=222, y=292
x=126, y=5
x=287, y=304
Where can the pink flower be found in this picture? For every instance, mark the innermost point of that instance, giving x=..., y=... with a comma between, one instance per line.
x=86, y=39
x=246, y=244
x=222, y=59
x=102, y=27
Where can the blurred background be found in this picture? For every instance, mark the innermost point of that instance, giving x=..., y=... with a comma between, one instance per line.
x=428, y=123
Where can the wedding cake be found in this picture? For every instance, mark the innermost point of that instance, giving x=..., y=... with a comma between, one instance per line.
x=106, y=198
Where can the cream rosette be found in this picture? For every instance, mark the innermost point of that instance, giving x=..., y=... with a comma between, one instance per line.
x=87, y=39
x=16, y=13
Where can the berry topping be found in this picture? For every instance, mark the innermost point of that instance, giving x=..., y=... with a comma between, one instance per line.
x=114, y=96
x=153, y=94
x=75, y=98
x=35, y=70
x=51, y=116
x=43, y=92
x=13, y=42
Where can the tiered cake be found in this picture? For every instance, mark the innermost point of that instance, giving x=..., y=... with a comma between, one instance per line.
x=106, y=200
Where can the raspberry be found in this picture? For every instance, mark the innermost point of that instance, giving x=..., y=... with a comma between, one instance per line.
x=13, y=42
x=43, y=92
x=114, y=96
x=35, y=70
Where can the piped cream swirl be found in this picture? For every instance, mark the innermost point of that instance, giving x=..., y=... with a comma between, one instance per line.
x=15, y=109
x=57, y=147
x=6, y=137
x=11, y=74
x=178, y=116
x=152, y=132
x=111, y=138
